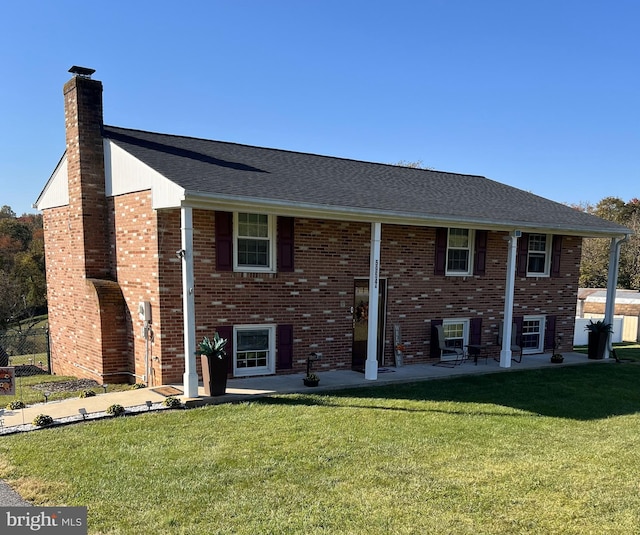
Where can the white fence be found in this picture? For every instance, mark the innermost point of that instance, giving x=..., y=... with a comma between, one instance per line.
x=581, y=335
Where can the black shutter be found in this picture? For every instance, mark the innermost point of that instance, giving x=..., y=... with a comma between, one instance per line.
x=224, y=241
x=522, y=255
x=480, y=254
x=285, y=347
x=556, y=252
x=475, y=336
x=435, y=346
x=550, y=333
x=285, y=244
x=440, y=261
x=226, y=331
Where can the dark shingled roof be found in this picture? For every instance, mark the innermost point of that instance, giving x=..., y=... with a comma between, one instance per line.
x=215, y=168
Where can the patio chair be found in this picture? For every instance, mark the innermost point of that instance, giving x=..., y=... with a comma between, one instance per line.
x=515, y=348
x=449, y=356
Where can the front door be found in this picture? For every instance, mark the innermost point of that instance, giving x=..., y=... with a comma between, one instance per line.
x=361, y=322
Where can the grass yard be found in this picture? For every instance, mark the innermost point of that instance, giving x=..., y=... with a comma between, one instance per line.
x=545, y=451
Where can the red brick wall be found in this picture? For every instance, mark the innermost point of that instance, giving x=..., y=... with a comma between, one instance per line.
x=316, y=298
x=85, y=164
x=621, y=309
x=75, y=314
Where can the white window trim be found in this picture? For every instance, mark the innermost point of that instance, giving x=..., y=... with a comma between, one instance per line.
x=466, y=329
x=271, y=268
x=543, y=324
x=547, y=256
x=469, y=272
x=270, y=368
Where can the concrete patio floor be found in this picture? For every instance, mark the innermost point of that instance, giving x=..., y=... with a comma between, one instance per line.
x=146, y=399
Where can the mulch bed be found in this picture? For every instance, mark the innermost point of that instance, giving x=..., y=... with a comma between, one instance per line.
x=66, y=386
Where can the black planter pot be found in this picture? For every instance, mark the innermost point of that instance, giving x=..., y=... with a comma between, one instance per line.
x=597, y=345
x=310, y=382
x=214, y=375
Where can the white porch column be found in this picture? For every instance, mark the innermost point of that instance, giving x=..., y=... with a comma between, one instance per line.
x=190, y=378
x=507, y=325
x=371, y=364
x=612, y=283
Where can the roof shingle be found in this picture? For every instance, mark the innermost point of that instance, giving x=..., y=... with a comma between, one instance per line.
x=205, y=167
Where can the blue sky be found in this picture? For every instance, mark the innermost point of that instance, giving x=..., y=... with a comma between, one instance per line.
x=541, y=95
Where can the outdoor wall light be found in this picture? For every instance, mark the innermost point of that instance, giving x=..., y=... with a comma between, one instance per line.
x=180, y=253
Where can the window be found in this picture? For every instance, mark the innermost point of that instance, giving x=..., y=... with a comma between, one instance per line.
x=456, y=332
x=459, y=251
x=533, y=334
x=254, y=350
x=254, y=239
x=538, y=255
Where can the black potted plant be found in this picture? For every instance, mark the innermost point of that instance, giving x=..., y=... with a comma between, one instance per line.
x=556, y=356
x=598, y=336
x=311, y=379
x=214, y=364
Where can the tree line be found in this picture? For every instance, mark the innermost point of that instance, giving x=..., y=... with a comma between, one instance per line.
x=595, y=251
x=23, y=289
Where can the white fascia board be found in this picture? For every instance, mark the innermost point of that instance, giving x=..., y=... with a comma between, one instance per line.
x=315, y=211
x=124, y=173
x=56, y=191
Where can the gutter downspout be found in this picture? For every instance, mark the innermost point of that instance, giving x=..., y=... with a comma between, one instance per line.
x=612, y=284
x=371, y=364
x=190, y=378
x=507, y=326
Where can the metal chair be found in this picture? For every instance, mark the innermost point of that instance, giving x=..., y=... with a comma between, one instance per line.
x=447, y=352
x=516, y=349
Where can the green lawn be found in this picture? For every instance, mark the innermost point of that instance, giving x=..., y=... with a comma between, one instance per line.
x=546, y=451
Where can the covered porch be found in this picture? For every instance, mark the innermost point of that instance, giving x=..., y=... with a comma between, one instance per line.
x=242, y=389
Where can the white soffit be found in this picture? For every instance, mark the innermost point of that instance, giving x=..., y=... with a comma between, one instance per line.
x=125, y=174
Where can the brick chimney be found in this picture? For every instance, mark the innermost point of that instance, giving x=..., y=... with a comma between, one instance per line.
x=86, y=178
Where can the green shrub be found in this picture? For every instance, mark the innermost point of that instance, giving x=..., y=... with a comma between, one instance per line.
x=87, y=394
x=115, y=410
x=138, y=385
x=15, y=405
x=172, y=402
x=42, y=420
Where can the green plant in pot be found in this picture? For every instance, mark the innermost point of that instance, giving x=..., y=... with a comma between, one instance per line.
x=214, y=364
x=556, y=356
x=599, y=332
x=311, y=379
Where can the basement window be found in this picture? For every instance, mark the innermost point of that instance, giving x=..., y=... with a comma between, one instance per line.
x=254, y=350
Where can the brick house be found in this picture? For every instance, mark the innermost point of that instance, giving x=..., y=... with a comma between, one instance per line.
x=154, y=241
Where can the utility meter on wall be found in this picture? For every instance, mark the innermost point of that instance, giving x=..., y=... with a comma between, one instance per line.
x=144, y=311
